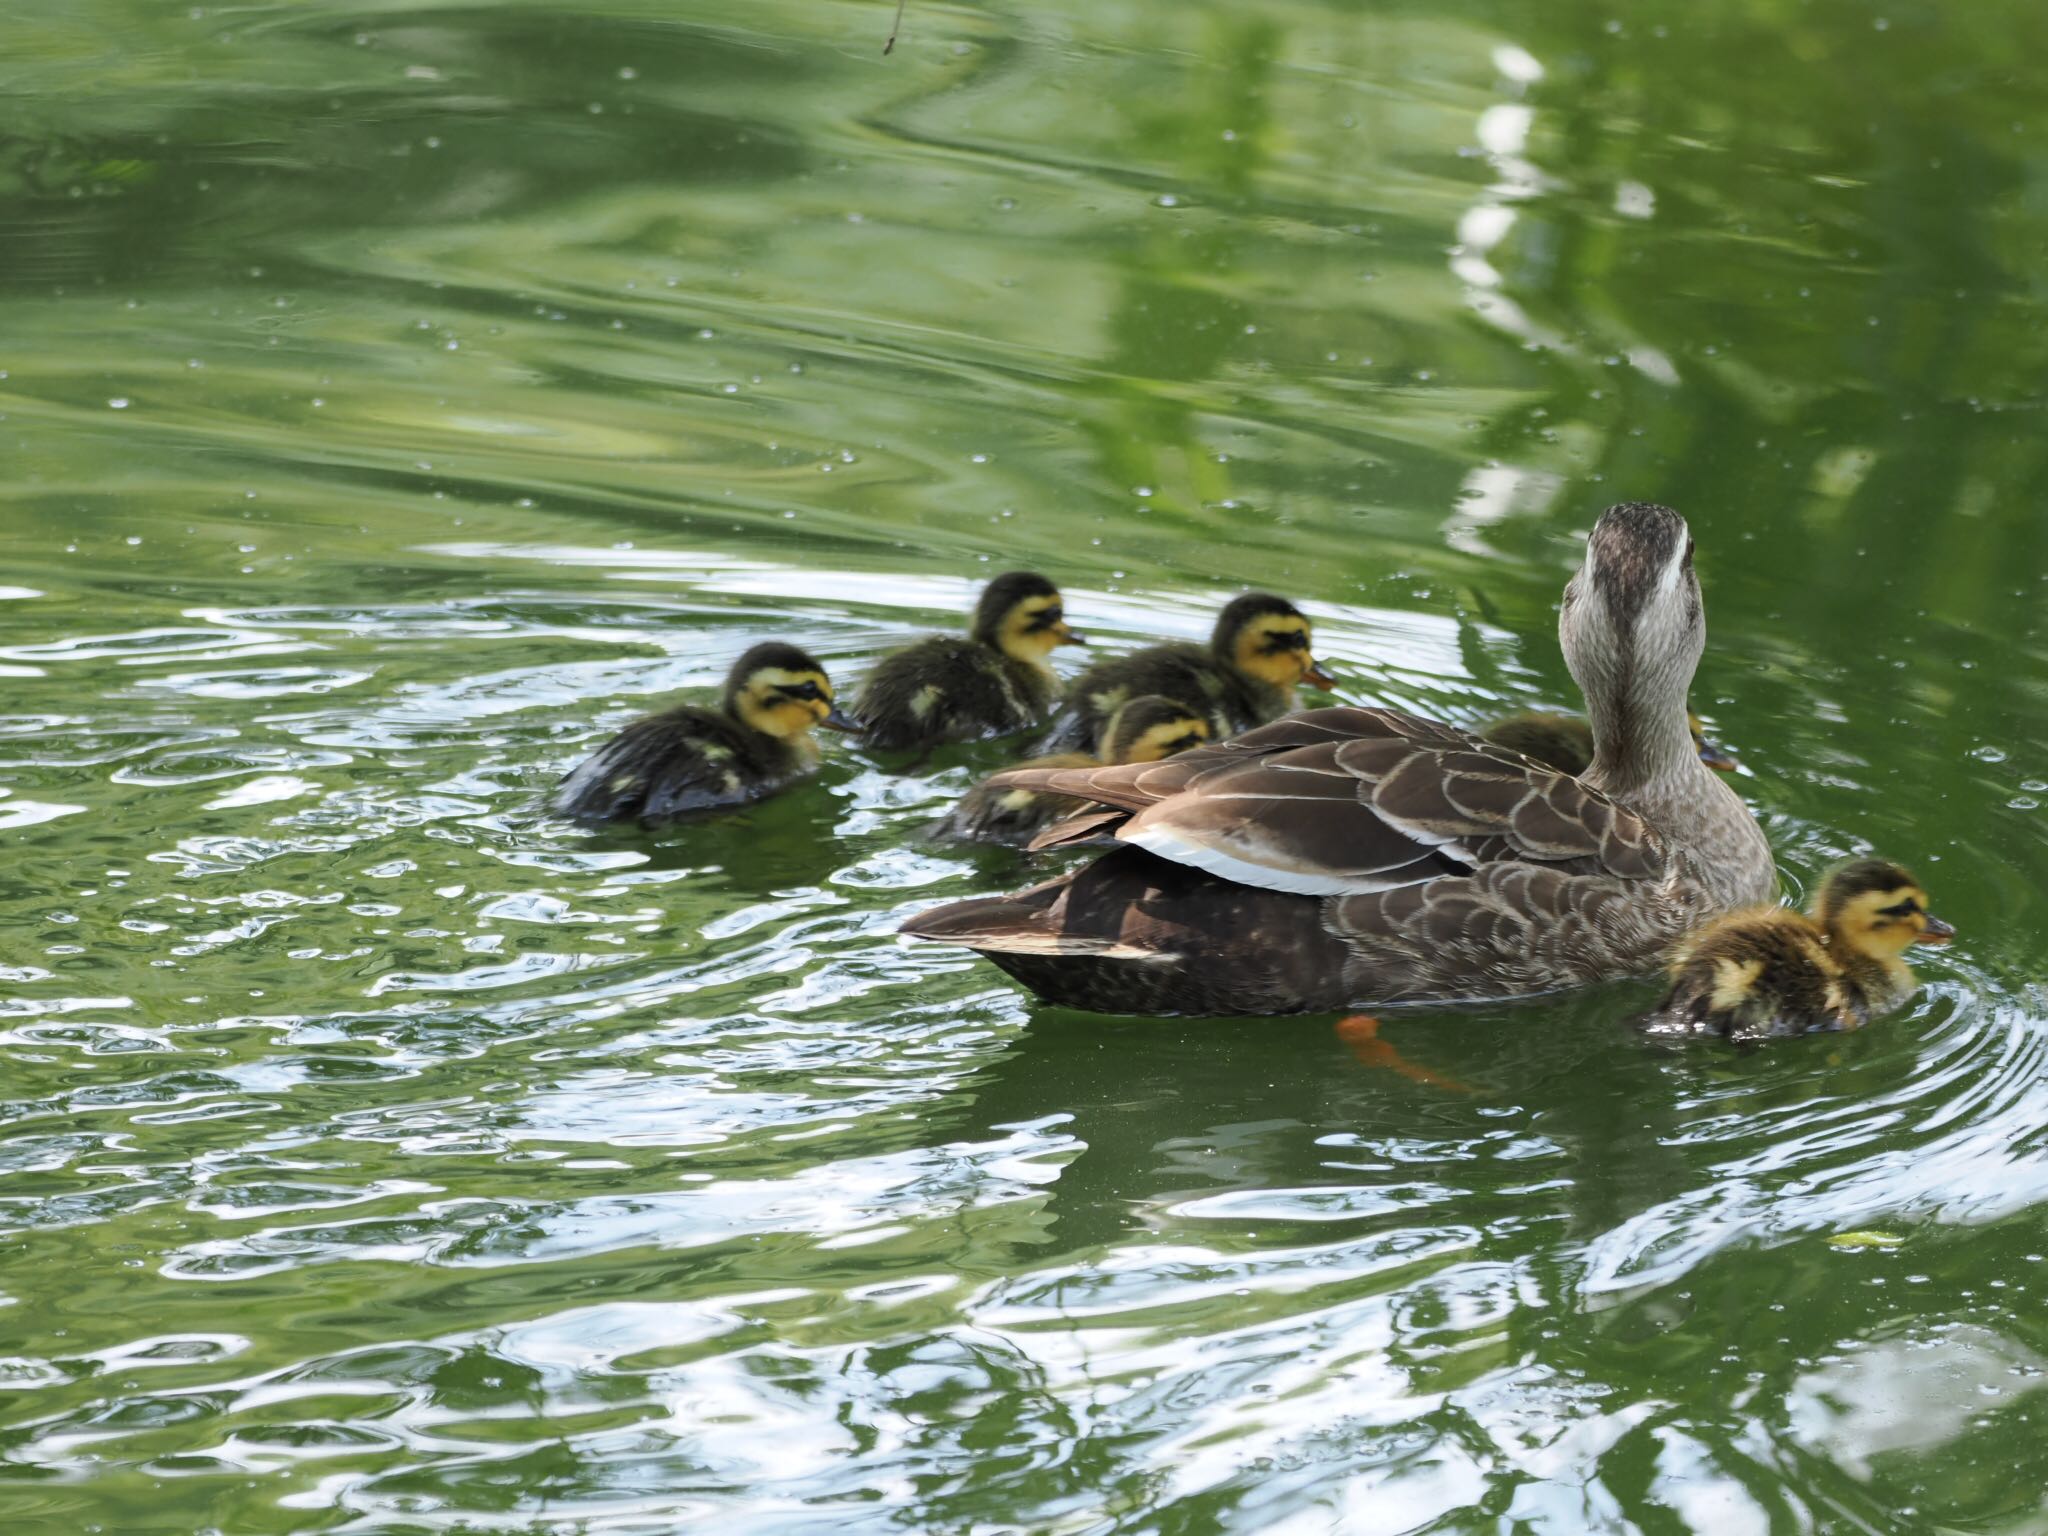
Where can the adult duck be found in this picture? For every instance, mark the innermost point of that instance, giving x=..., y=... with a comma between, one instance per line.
x=1358, y=858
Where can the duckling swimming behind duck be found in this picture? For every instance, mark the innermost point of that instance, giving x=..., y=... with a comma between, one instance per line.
x=1256, y=657
x=693, y=759
x=1142, y=731
x=995, y=681
x=1772, y=971
x=1565, y=742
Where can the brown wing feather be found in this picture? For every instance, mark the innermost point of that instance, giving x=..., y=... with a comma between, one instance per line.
x=1343, y=801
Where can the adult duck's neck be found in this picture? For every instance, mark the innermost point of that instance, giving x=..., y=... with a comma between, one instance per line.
x=1649, y=763
x=1642, y=741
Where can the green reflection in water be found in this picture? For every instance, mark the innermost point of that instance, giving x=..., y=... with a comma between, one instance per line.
x=396, y=399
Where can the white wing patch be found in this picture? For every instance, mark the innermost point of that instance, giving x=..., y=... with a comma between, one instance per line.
x=1163, y=841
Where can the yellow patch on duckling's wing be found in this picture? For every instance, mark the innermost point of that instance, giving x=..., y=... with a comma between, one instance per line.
x=925, y=700
x=1733, y=981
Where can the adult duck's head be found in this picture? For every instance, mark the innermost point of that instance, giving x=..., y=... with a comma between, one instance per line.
x=1633, y=627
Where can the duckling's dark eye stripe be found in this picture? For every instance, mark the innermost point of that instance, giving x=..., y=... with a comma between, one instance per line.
x=1292, y=640
x=1904, y=908
x=799, y=690
x=1045, y=618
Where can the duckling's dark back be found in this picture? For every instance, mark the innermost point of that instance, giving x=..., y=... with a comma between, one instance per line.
x=1563, y=742
x=675, y=764
x=1751, y=976
x=949, y=688
x=1189, y=675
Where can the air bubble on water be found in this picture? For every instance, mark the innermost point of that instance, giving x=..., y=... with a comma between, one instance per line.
x=118, y=403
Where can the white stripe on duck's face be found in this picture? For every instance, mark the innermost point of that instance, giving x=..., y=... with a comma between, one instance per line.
x=1632, y=623
x=779, y=702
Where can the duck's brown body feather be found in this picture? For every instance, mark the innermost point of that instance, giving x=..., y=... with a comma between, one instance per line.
x=1428, y=866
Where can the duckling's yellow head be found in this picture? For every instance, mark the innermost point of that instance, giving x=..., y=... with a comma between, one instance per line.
x=1022, y=615
x=1267, y=637
x=1150, y=727
x=781, y=691
x=1875, y=907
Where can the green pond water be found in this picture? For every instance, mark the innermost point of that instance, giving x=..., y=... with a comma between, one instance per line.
x=396, y=398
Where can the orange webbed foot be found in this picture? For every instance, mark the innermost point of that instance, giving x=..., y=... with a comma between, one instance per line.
x=1361, y=1031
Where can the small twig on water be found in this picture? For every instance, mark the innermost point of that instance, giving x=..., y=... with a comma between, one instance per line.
x=894, y=27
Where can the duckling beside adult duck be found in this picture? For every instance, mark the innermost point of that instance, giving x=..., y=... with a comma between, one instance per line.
x=1258, y=654
x=1145, y=730
x=691, y=759
x=1772, y=971
x=1357, y=858
x=995, y=680
x=1565, y=742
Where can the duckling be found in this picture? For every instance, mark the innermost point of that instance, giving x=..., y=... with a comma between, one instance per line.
x=1142, y=731
x=995, y=681
x=692, y=759
x=1565, y=742
x=1246, y=675
x=1770, y=971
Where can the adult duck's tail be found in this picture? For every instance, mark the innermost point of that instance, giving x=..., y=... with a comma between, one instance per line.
x=1026, y=923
